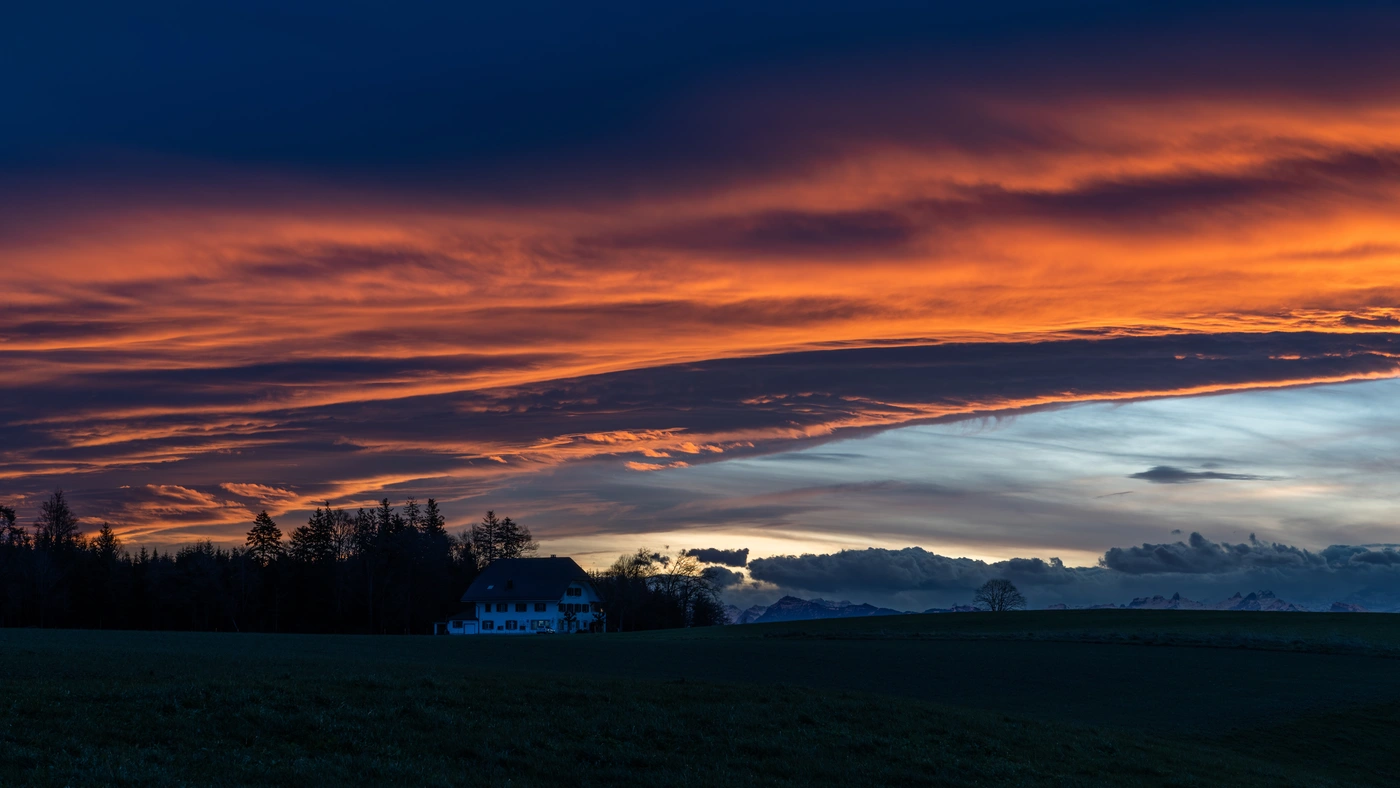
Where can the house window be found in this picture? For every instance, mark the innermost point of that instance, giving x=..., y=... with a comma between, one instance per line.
x=540, y=607
x=574, y=592
x=510, y=624
x=521, y=607
x=485, y=625
x=501, y=607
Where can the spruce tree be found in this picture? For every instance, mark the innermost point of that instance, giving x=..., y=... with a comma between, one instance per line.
x=486, y=539
x=264, y=540
x=434, y=524
x=107, y=546
x=385, y=518
x=412, y=514
x=516, y=540
x=494, y=538
x=301, y=546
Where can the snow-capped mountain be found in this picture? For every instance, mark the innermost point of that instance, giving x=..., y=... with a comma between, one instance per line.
x=790, y=608
x=733, y=615
x=1264, y=601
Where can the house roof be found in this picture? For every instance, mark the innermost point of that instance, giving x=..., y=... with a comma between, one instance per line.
x=508, y=579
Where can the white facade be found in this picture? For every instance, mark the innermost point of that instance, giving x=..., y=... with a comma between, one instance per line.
x=572, y=612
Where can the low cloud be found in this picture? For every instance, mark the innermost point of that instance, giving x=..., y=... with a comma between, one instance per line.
x=1386, y=320
x=1369, y=575
x=714, y=555
x=1167, y=474
x=1198, y=555
x=909, y=569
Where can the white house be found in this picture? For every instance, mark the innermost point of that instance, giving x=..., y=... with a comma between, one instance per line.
x=521, y=596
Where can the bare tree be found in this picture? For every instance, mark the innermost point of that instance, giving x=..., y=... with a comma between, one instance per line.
x=998, y=596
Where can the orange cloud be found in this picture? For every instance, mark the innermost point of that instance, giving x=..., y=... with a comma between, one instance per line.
x=146, y=336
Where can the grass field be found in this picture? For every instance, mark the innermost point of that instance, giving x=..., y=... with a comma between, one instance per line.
x=1046, y=698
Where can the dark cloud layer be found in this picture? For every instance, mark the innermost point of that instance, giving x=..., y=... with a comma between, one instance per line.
x=715, y=555
x=81, y=434
x=1340, y=572
x=1168, y=474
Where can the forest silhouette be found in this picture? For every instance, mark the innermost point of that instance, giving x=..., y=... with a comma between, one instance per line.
x=384, y=570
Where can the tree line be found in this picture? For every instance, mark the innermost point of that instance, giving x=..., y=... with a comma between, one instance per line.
x=390, y=570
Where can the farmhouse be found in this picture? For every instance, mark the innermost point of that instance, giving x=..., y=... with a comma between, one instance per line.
x=515, y=596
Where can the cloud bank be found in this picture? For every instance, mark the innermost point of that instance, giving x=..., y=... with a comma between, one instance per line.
x=714, y=555
x=1369, y=575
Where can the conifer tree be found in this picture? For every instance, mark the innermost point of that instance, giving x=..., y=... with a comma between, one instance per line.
x=385, y=518
x=486, y=539
x=495, y=538
x=516, y=540
x=107, y=546
x=434, y=524
x=264, y=540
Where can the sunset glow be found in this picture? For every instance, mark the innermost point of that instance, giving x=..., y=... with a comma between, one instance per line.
x=337, y=306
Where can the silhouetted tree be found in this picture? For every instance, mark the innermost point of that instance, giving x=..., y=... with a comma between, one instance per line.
x=107, y=546
x=516, y=540
x=434, y=524
x=314, y=543
x=264, y=540
x=648, y=590
x=495, y=538
x=412, y=514
x=57, y=526
x=998, y=596
x=486, y=539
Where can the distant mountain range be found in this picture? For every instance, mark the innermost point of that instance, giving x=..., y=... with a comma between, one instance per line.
x=791, y=608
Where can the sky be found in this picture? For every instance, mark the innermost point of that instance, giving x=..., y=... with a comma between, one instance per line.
x=991, y=281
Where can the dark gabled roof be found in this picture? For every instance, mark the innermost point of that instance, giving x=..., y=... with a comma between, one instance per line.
x=536, y=579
